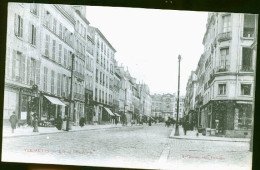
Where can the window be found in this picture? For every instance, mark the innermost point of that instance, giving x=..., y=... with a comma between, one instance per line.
x=249, y=25
x=97, y=75
x=58, y=84
x=53, y=49
x=60, y=53
x=245, y=89
x=100, y=78
x=224, y=54
x=45, y=77
x=65, y=57
x=54, y=25
x=226, y=23
x=52, y=81
x=34, y=9
x=47, y=19
x=60, y=31
x=247, y=59
x=18, y=66
x=32, y=34
x=222, y=89
x=18, y=26
x=47, y=42
x=33, y=71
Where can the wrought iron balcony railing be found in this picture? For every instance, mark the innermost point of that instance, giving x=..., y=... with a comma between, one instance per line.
x=224, y=36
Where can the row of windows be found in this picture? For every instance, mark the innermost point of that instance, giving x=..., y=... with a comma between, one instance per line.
x=59, y=84
x=245, y=90
x=19, y=30
x=52, y=24
x=56, y=83
x=103, y=97
x=64, y=55
x=103, y=79
x=21, y=68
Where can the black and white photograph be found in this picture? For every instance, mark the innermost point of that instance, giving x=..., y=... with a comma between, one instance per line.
x=129, y=87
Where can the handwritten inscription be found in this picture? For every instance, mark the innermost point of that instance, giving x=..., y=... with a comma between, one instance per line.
x=60, y=151
x=207, y=157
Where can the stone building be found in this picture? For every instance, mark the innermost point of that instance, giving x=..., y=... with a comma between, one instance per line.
x=225, y=75
x=104, y=76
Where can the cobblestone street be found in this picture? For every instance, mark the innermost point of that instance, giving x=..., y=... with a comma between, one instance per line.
x=136, y=146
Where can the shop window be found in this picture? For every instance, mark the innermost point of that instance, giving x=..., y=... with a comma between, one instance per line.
x=245, y=89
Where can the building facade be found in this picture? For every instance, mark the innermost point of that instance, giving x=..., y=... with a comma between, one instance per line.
x=225, y=77
x=104, y=76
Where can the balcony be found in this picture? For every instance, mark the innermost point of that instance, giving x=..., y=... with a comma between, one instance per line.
x=246, y=68
x=79, y=75
x=80, y=55
x=224, y=36
x=79, y=96
x=223, y=68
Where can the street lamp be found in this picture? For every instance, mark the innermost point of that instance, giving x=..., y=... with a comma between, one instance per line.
x=177, y=121
x=71, y=84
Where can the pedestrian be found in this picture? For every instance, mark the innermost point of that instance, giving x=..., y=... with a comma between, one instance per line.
x=150, y=122
x=116, y=121
x=185, y=127
x=59, y=123
x=81, y=122
x=13, y=120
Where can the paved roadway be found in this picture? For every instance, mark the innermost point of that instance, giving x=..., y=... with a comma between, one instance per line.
x=136, y=147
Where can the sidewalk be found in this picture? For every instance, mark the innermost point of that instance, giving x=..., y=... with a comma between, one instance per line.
x=191, y=135
x=28, y=131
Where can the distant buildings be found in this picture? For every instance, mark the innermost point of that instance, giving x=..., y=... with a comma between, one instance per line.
x=165, y=106
x=223, y=83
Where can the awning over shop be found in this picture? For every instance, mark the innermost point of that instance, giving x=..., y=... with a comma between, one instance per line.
x=109, y=111
x=54, y=100
x=117, y=114
x=244, y=102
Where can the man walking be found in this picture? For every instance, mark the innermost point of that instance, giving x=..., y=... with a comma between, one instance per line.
x=13, y=120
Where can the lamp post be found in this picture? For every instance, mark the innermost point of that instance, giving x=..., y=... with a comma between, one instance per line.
x=177, y=121
x=71, y=84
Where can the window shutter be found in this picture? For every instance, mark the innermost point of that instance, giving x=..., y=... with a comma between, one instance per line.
x=7, y=64
x=21, y=27
x=28, y=70
x=15, y=24
x=14, y=64
x=35, y=35
x=30, y=33
x=38, y=72
x=23, y=68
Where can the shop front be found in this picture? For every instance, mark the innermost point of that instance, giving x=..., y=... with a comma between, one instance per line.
x=51, y=108
x=228, y=118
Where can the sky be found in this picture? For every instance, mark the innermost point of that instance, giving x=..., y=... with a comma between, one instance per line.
x=148, y=42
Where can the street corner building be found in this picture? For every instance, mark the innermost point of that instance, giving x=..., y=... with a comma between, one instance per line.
x=220, y=92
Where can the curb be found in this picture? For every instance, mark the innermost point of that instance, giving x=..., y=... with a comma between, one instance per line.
x=63, y=131
x=208, y=139
x=223, y=140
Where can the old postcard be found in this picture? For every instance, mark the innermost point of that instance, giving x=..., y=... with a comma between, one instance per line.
x=129, y=87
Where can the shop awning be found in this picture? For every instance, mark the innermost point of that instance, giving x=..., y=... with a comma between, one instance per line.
x=54, y=100
x=117, y=114
x=244, y=102
x=109, y=111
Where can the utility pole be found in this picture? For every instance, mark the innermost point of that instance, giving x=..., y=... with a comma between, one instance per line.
x=125, y=105
x=71, y=84
x=177, y=122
